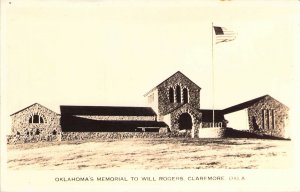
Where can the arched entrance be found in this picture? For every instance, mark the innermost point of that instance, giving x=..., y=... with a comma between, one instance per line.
x=185, y=121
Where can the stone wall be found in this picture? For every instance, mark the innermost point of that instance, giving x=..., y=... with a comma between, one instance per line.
x=217, y=132
x=67, y=136
x=261, y=117
x=118, y=118
x=17, y=139
x=164, y=104
x=22, y=126
x=73, y=136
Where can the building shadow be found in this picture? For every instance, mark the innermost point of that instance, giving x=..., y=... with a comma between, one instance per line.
x=254, y=123
x=233, y=133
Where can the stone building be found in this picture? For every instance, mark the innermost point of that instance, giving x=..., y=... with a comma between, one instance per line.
x=173, y=105
x=35, y=120
x=263, y=115
x=177, y=102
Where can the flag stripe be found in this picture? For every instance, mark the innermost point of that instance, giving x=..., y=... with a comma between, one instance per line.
x=224, y=35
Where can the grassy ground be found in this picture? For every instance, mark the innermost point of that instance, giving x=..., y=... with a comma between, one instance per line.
x=169, y=153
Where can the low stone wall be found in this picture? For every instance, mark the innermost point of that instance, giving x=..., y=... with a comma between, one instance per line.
x=73, y=136
x=68, y=136
x=17, y=139
x=217, y=132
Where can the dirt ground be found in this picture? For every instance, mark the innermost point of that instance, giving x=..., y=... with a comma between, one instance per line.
x=168, y=153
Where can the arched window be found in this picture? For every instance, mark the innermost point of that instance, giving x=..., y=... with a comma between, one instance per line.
x=185, y=95
x=178, y=94
x=36, y=119
x=54, y=132
x=171, y=95
x=41, y=119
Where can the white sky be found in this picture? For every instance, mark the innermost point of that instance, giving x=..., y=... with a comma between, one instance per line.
x=111, y=53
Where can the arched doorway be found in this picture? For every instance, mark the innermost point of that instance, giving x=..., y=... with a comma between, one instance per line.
x=185, y=121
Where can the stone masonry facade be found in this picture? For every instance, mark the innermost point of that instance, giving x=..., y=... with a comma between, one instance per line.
x=174, y=97
x=186, y=108
x=268, y=116
x=35, y=120
x=177, y=82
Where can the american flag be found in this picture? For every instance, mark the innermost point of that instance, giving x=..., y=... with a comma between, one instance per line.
x=224, y=35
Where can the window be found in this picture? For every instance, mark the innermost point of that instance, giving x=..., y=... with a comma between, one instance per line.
x=36, y=119
x=263, y=118
x=178, y=94
x=185, y=96
x=268, y=119
x=54, y=132
x=171, y=95
x=273, y=119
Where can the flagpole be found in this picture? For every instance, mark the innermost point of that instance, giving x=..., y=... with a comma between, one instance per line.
x=213, y=73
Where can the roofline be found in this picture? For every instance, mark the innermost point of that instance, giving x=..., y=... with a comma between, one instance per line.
x=103, y=106
x=169, y=78
x=278, y=101
x=150, y=91
x=212, y=109
x=243, y=103
x=132, y=107
x=31, y=106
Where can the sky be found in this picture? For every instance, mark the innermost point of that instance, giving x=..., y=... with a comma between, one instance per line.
x=113, y=52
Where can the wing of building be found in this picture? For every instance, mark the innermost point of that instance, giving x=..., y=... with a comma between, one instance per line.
x=264, y=115
x=35, y=120
x=109, y=119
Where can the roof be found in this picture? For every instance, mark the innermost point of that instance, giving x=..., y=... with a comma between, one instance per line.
x=79, y=124
x=31, y=106
x=243, y=105
x=107, y=110
x=207, y=115
x=178, y=72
